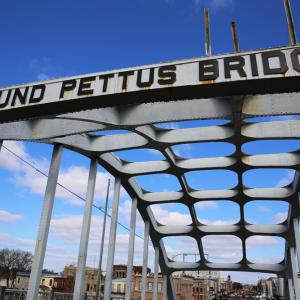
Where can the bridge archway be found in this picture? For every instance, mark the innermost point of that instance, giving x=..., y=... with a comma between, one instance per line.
x=259, y=113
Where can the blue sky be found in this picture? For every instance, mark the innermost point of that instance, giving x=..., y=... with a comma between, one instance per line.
x=48, y=39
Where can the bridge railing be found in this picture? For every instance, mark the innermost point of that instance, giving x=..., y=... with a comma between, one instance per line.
x=15, y=294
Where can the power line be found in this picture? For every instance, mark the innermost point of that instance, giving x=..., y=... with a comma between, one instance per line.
x=62, y=186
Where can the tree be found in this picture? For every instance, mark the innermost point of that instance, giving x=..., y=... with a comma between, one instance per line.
x=13, y=261
x=237, y=286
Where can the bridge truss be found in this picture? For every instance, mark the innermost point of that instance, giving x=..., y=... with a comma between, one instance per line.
x=75, y=131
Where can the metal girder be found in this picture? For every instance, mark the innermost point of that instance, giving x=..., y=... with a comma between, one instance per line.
x=149, y=136
x=72, y=130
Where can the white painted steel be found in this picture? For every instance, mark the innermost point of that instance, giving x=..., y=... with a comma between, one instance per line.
x=43, y=231
x=155, y=284
x=131, y=249
x=145, y=261
x=85, y=232
x=112, y=240
x=99, y=281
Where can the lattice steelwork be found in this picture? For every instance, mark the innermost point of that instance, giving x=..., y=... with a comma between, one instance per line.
x=75, y=131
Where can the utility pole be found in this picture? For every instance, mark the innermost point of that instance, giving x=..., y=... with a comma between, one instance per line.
x=98, y=286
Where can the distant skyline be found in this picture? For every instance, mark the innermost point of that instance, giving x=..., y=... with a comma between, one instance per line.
x=43, y=40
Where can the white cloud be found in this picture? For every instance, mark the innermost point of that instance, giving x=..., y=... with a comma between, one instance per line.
x=67, y=230
x=56, y=257
x=223, y=247
x=263, y=209
x=154, y=152
x=183, y=150
x=216, y=4
x=222, y=3
x=125, y=212
x=203, y=205
x=280, y=217
x=218, y=222
x=259, y=241
x=42, y=77
x=166, y=217
x=14, y=242
x=74, y=178
x=9, y=161
x=287, y=179
x=7, y=217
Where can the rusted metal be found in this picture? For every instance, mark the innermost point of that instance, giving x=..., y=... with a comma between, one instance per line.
x=207, y=32
x=235, y=37
x=290, y=22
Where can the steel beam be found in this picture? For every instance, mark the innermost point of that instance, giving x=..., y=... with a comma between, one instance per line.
x=165, y=287
x=297, y=239
x=131, y=249
x=43, y=232
x=155, y=285
x=112, y=239
x=171, y=288
x=85, y=232
x=291, y=293
x=294, y=273
x=145, y=261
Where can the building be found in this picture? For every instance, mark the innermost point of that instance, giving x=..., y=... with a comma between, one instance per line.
x=271, y=287
x=22, y=280
x=57, y=283
x=90, y=279
x=118, y=288
x=183, y=287
x=119, y=271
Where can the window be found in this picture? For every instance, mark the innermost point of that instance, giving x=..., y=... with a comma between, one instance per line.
x=50, y=284
x=160, y=286
x=150, y=286
x=87, y=287
x=119, y=288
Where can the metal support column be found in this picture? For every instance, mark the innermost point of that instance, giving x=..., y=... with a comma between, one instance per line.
x=291, y=289
x=297, y=239
x=98, y=286
x=42, y=238
x=171, y=288
x=290, y=22
x=112, y=239
x=145, y=261
x=131, y=249
x=165, y=288
x=85, y=232
x=294, y=273
x=155, y=285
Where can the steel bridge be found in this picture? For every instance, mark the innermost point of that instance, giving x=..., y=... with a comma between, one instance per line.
x=235, y=87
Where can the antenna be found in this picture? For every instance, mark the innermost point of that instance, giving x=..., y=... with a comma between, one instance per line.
x=207, y=33
x=235, y=37
x=290, y=22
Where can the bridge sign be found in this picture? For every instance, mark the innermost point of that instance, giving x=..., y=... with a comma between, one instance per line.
x=266, y=71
